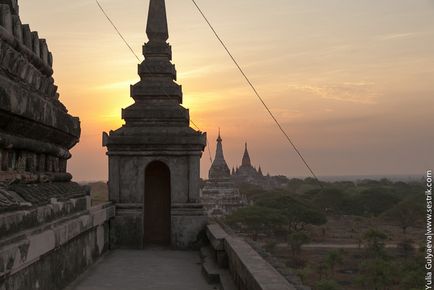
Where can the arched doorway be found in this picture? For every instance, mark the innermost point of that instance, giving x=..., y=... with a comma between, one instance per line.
x=157, y=204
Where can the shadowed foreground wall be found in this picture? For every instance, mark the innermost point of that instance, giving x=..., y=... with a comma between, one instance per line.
x=49, y=234
x=52, y=255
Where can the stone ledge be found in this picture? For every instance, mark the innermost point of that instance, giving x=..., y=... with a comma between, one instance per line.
x=13, y=222
x=25, y=111
x=216, y=235
x=248, y=269
x=33, y=145
x=27, y=248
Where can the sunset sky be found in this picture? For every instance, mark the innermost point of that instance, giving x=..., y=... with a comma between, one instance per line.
x=352, y=81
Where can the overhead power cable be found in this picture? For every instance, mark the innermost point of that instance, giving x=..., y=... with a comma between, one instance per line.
x=117, y=30
x=207, y=142
x=258, y=95
x=146, y=67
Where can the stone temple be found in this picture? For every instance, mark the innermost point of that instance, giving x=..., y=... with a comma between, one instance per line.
x=154, y=158
x=219, y=194
x=246, y=172
x=49, y=232
x=51, y=236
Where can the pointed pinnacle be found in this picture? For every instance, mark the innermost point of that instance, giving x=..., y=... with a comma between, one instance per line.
x=156, y=28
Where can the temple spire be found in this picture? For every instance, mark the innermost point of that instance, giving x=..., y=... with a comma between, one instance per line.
x=157, y=73
x=219, y=152
x=156, y=28
x=219, y=168
x=246, y=157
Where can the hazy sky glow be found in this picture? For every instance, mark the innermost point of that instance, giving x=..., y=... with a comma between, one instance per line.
x=352, y=81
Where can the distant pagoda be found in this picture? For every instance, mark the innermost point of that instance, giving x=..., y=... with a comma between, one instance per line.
x=219, y=169
x=219, y=195
x=246, y=172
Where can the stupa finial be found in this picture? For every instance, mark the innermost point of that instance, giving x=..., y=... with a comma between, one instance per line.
x=156, y=28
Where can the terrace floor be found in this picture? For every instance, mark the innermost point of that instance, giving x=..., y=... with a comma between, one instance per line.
x=153, y=269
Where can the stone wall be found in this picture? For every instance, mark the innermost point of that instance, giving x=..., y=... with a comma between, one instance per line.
x=53, y=254
x=248, y=269
x=127, y=191
x=127, y=177
x=48, y=232
x=127, y=230
x=45, y=207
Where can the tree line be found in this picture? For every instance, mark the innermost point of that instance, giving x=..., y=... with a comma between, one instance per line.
x=282, y=215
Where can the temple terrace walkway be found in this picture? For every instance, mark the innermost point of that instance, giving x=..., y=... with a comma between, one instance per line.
x=150, y=269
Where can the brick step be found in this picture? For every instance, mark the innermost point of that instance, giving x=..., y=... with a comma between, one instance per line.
x=226, y=282
x=213, y=273
x=209, y=268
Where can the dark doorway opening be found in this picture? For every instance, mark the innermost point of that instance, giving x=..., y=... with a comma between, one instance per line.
x=157, y=204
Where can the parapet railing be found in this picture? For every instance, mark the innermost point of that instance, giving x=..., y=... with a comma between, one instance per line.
x=247, y=268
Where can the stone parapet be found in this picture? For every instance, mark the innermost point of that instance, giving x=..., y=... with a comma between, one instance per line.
x=248, y=269
x=216, y=236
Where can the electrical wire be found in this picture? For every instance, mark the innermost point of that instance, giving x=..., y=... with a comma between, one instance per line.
x=146, y=67
x=258, y=95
